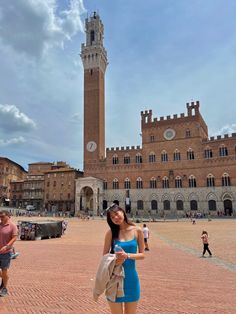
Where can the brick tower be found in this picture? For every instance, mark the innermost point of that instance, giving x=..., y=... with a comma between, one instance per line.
x=94, y=58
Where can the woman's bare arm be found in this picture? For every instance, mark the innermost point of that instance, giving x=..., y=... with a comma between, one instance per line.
x=107, y=242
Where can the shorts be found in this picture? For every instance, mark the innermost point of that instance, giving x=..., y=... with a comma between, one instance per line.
x=145, y=240
x=5, y=260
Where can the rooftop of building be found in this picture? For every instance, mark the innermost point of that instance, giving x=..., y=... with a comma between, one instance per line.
x=13, y=162
x=65, y=169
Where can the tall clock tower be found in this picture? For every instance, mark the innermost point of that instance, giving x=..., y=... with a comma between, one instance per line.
x=94, y=58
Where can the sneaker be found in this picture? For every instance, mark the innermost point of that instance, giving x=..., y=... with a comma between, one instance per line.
x=3, y=292
x=210, y=255
x=203, y=256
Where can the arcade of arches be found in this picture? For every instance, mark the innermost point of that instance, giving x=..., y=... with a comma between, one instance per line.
x=92, y=199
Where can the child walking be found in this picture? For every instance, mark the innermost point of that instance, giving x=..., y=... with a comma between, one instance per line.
x=204, y=238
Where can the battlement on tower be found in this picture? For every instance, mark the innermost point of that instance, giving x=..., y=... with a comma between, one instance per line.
x=93, y=53
x=193, y=114
x=192, y=111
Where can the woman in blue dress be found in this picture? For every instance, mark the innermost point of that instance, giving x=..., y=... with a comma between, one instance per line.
x=128, y=238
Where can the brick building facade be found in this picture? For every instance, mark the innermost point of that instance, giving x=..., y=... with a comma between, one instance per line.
x=9, y=171
x=47, y=185
x=177, y=170
x=30, y=190
x=59, y=189
x=16, y=193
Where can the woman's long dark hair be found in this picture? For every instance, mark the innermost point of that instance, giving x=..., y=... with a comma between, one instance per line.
x=115, y=229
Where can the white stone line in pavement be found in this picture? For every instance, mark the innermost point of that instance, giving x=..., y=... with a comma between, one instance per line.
x=215, y=260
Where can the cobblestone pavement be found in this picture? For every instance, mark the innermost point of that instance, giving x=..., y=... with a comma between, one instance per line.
x=57, y=275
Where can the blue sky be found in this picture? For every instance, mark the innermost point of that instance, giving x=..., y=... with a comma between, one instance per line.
x=162, y=54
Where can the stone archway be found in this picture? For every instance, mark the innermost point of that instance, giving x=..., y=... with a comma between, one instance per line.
x=227, y=199
x=87, y=199
x=89, y=195
x=228, y=207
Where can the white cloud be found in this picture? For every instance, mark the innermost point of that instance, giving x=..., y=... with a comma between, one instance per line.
x=71, y=22
x=227, y=129
x=32, y=26
x=12, y=120
x=12, y=141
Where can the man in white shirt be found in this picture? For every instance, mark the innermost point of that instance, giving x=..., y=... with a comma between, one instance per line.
x=146, y=236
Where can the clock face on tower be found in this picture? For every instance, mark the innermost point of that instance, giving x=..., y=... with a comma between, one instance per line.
x=169, y=134
x=91, y=146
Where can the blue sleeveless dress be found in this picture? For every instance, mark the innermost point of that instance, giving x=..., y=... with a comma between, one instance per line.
x=131, y=280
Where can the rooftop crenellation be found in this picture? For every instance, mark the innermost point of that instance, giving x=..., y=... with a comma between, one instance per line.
x=220, y=137
x=122, y=148
x=192, y=110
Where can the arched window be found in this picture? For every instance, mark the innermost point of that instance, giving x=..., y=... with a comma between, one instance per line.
x=152, y=157
x=180, y=205
x=153, y=183
x=139, y=183
x=166, y=205
x=126, y=159
x=138, y=158
x=187, y=133
x=190, y=154
x=140, y=205
x=105, y=185
x=210, y=180
x=176, y=155
x=212, y=205
x=127, y=184
x=208, y=153
x=115, y=160
x=165, y=183
x=192, y=182
x=115, y=184
x=154, y=205
x=223, y=151
x=225, y=180
x=104, y=205
x=164, y=156
x=193, y=205
x=92, y=37
x=178, y=182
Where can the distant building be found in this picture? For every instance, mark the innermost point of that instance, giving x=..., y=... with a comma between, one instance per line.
x=33, y=186
x=178, y=170
x=16, y=193
x=9, y=171
x=47, y=185
x=59, y=189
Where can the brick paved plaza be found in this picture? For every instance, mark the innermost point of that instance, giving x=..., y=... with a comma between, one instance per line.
x=56, y=275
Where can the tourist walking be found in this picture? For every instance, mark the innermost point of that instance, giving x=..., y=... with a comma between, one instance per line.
x=124, y=239
x=205, y=242
x=8, y=235
x=146, y=234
